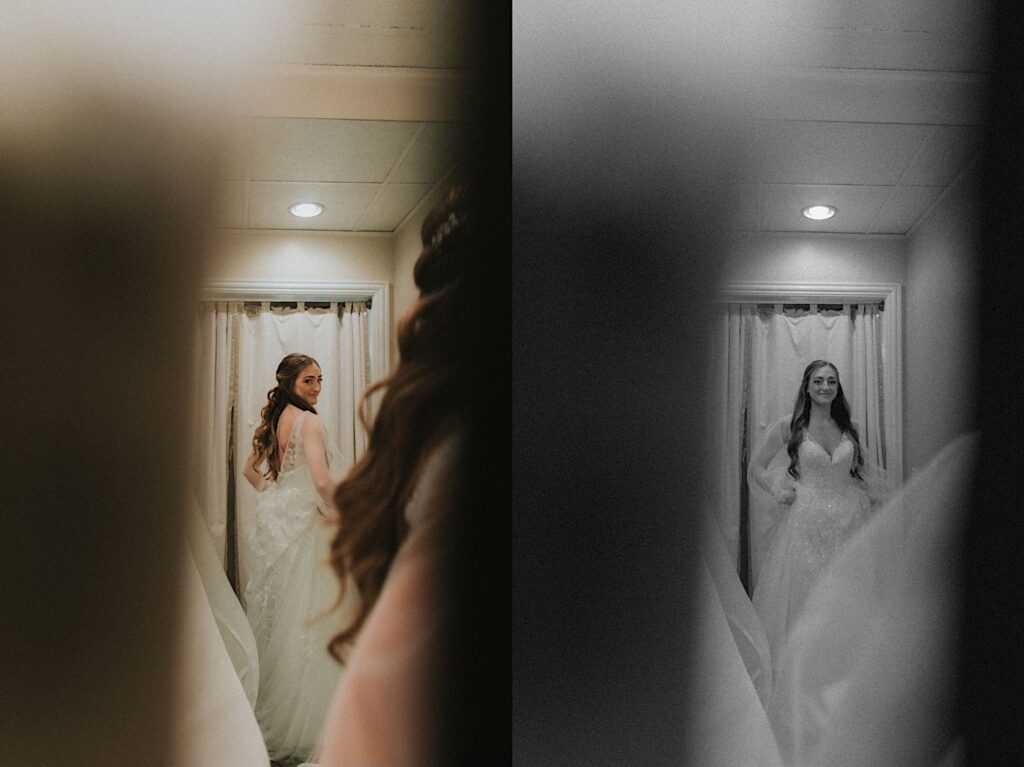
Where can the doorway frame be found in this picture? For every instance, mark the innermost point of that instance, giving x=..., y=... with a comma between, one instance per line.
x=823, y=293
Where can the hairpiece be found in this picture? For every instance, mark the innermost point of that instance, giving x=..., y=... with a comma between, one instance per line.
x=445, y=229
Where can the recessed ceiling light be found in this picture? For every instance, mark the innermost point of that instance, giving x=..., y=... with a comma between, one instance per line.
x=306, y=209
x=819, y=212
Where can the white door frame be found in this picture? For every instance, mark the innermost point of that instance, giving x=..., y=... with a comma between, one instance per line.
x=892, y=341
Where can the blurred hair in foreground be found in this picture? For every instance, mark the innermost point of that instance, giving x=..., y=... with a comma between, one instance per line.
x=619, y=194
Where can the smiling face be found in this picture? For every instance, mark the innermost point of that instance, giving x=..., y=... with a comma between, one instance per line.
x=307, y=384
x=823, y=385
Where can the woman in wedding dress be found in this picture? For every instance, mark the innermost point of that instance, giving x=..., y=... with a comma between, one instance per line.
x=292, y=588
x=826, y=492
x=396, y=511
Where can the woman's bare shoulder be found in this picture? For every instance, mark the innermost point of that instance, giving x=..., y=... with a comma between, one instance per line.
x=312, y=423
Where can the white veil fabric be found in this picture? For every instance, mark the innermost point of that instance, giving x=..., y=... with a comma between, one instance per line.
x=217, y=675
x=868, y=673
x=227, y=611
x=867, y=676
x=730, y=670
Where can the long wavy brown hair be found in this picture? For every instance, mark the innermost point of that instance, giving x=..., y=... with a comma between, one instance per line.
x=264, y=441
x=421, y=405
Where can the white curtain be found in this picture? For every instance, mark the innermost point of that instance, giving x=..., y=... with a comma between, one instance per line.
x=759, y=359
x=238, y=348
x=215, y=333
x=729, y=387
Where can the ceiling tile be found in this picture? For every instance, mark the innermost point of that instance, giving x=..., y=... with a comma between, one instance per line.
x=366, y=46
x=829, y=153
x=231, y=205
x=343, y=204
x=857, y=206
x=745, y=205
x=394, y=13
x=879, y=97
x=962, y=50
x=328, y=150
x=881, y=14
x=904, y=207
x=946, y=154
x=237, y=150
x=432, y=154
x=390, y=207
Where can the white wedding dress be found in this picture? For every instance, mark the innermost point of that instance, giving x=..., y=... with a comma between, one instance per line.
x=830, y=506
x=867, y=672
x=288, y=601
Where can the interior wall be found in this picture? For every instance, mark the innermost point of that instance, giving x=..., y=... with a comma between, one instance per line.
x=285, y=256
x=407, y=246
x=809, y=259
x=940, y=325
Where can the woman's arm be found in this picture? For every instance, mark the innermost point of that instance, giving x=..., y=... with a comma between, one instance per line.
x=757, y=470
x=252, y=473
x=314, y=446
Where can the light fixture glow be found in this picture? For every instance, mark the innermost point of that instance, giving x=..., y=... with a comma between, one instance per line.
x=306, y=209
x=819, y=212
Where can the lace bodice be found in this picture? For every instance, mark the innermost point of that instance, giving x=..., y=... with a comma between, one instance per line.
x=288, y=504
x=293, y=449
x=822, y=471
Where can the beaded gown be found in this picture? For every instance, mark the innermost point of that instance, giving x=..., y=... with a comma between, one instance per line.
x=287, y=601
x=830, y=506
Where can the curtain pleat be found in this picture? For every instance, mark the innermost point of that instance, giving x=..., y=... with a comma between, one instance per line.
x=729, y=387
x=212, y=399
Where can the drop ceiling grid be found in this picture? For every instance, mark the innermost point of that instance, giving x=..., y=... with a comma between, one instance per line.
x=384, y=182
x=879, y=97
x=903, y=208
x=346, y=46
x=289, y=149
x=388, y=13
x=292, y=160
x=235, y=171
x=390, y=206
x=889, y=212
x=900, y=15
x=866, y=154
x=962, y=50
x=431, y=156
x=949, y=150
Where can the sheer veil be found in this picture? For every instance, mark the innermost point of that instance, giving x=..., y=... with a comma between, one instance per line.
x=867, y=676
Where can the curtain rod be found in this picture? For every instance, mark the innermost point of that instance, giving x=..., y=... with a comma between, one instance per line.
x=307, y=304
x=817, y=305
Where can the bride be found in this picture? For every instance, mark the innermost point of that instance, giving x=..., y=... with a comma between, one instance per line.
x=292, y=587
x=859, y=608
x=824, y=483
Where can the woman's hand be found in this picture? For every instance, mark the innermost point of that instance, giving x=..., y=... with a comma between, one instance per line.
x=784, y=490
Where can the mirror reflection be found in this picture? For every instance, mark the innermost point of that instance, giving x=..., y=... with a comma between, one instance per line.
x=331, y=172
x=840, y=393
